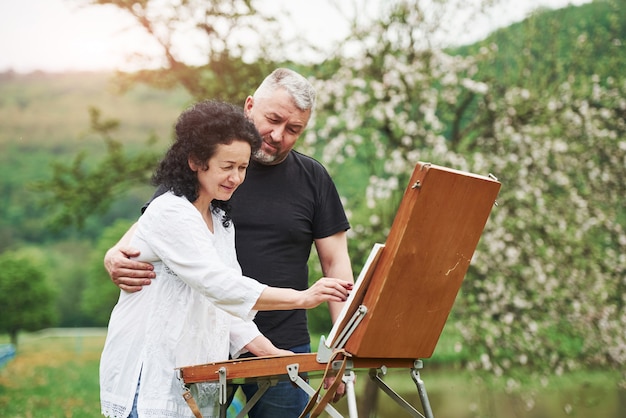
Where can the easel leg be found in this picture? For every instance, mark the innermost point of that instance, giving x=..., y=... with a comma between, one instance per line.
x=421, y=388
x=376, y=376
x=348, y=379
x=264, y=385
x=292, y=370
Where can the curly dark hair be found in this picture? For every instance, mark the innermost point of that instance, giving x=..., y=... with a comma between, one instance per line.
x=199, y=130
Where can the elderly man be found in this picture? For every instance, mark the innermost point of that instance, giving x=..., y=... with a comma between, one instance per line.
x=287, y=203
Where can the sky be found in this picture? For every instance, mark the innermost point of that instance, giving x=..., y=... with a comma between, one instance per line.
x=62, y=35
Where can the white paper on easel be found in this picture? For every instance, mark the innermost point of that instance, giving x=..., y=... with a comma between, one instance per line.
x=366, y=272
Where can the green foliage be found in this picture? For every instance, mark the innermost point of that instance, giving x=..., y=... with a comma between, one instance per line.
x=26, y=296
x=44, y=119
x=552, y=253
x=83, y=193
x=67, y=272
x=551, y=48
x=100, y=295
x=20, y=218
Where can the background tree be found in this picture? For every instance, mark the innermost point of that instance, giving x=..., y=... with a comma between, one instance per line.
x=99, y=295
x=90, y=191
x=549, y=271
x=227, y=33
x=26, y=296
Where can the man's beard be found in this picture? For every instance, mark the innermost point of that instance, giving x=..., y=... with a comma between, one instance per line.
x=263, y=157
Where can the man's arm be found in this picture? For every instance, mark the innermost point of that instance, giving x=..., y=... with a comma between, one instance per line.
x=127, y=274
x=335, y=262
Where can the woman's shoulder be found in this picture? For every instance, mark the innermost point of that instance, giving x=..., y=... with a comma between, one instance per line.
x=169, y=203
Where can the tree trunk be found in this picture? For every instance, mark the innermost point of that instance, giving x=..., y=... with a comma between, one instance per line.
x=13, y=336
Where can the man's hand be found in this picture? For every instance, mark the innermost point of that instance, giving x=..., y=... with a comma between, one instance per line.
x=341, y=389
x=129, y=275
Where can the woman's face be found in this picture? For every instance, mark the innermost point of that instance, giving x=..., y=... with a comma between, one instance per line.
x=226, y=171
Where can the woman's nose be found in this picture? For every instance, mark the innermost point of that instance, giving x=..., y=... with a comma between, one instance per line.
x=236, y=177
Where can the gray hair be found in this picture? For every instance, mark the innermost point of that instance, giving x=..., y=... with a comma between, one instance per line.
x=299, y=88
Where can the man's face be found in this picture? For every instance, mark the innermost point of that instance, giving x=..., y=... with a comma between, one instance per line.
x=279, y=122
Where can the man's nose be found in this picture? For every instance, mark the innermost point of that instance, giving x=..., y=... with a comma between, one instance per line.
x=277, y=133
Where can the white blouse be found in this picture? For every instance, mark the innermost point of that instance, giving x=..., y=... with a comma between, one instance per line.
x=196, y=311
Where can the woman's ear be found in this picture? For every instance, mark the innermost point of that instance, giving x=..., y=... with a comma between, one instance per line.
x=192, y=164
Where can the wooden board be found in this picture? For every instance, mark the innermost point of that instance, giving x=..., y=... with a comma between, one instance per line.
x=238, y=371
x=423, y=263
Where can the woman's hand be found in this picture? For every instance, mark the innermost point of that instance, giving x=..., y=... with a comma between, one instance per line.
x=326, y=289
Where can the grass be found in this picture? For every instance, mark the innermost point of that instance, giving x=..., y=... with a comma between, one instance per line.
x=57, y=376
x=52, y=377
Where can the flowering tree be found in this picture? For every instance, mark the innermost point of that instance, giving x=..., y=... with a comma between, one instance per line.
x=546, y=288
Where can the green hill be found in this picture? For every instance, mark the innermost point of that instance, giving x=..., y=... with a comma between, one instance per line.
x=45, y=118
x=51, y=110
x=554, y=46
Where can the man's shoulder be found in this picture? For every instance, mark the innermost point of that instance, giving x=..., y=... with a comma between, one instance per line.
x=307, y=161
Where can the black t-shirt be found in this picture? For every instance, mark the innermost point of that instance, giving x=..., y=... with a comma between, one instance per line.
x=278, y=211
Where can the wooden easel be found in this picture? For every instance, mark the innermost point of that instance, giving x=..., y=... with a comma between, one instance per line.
x=401, y=301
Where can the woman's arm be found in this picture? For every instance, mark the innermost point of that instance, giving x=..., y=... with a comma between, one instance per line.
x=325, y=289
x=261, y=346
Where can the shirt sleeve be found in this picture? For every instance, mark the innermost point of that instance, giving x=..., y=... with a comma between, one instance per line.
x=178, y=236
x=241, y=334
x=330, y=216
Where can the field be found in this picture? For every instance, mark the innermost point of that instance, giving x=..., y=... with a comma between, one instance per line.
x=52, y=376
x=55, y=374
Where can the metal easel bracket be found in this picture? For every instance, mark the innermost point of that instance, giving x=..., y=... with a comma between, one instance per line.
x=377, y=374
x=292, y=370
x=223, y=387
x=263, y=384
x=421, y=388
x=324, y=351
